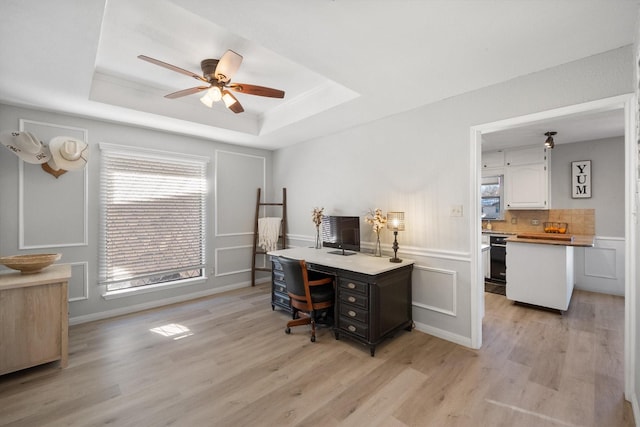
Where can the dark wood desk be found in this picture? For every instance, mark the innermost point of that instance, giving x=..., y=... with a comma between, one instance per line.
x=373, y=295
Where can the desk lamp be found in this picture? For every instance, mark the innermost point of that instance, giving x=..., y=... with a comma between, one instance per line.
x=395, y=222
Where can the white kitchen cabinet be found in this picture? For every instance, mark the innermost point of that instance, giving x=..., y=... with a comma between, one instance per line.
x=488, y=172
x=492, y=159
x=526, y=178
x=525, y=156
x=526, y=186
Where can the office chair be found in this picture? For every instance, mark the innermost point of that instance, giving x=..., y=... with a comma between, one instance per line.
x=311, y=293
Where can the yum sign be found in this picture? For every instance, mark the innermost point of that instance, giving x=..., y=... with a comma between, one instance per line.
x=581, y=179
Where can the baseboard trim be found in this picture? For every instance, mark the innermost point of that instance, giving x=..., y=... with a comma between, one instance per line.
x=76, y=320
x=445, y=335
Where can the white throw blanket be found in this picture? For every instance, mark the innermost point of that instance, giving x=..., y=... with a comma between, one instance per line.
x=268, y=232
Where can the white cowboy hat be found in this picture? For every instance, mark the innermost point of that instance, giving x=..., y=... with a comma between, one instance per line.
x=26, y=146
x=68, y=153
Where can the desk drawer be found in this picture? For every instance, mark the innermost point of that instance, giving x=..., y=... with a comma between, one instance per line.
x=280, y=287
x=353, y=285
x=353, y=326
x=275, y=264
x=357, y=300
x=281, y=299
x=352, y=312
x=278, y=275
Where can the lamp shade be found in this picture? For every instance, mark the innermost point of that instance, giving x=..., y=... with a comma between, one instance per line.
x=395, y=221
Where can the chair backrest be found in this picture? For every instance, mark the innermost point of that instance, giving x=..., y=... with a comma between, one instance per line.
x=294, y=275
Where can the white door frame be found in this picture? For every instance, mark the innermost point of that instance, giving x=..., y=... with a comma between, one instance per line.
x=625, y=103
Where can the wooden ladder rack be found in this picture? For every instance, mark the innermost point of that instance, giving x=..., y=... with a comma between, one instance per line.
x=282, y=237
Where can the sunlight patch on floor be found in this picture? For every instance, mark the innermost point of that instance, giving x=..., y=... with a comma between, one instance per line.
x=173, y=330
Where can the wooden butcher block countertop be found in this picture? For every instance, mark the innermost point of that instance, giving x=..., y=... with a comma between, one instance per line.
x=553, y=239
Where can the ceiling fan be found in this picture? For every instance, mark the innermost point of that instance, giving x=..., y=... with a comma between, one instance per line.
x=217, y=74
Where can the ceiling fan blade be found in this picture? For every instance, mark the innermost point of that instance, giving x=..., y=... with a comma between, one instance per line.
x=231, y=102
x=256, y=90
x=186, y=92
x=228, y=65
x=172, y=67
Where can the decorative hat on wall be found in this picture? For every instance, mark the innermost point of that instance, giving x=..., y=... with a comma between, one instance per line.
x=67, y=154
x=26, y=146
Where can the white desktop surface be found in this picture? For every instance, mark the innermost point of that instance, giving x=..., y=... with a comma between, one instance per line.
x=359, y=262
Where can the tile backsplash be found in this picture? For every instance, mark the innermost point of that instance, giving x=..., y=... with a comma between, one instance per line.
x=580, y=221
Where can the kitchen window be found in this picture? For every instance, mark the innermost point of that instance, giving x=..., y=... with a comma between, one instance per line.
x=152, y=218
x=491, y=197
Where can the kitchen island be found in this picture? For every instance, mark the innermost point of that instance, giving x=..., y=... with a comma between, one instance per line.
x=540, y=268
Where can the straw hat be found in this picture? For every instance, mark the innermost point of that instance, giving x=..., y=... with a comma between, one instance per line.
x=26, y=146
x=68, y=153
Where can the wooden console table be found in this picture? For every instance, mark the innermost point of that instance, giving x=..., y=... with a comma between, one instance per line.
x=34, y=318
x=373, y=295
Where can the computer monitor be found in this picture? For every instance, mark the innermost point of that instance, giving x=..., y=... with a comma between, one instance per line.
x=341, y=232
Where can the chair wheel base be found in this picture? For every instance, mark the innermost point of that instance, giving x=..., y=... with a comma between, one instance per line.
x=313, y=339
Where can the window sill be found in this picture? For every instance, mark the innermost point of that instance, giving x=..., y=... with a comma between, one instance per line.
x=129, y=292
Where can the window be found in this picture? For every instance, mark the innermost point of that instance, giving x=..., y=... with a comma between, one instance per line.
x=153, y=217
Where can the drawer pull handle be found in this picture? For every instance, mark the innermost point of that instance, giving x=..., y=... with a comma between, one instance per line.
x=351, y=286
x=351, y=313
x=351, y=299
x=351, y=328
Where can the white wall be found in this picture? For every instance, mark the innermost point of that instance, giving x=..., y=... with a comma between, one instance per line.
x=234, y=173
x=607, y=174
x=418, y=162
x=601, y=268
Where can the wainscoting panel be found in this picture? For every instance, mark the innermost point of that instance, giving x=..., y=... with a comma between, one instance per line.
x=46, y=202
x=600, y=262
x=233, y=260
x=601, y=268
x=79, y=282
x=238, y=177
x=435, y=289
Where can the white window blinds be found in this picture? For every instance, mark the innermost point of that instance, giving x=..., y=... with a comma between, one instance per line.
x=153, y=216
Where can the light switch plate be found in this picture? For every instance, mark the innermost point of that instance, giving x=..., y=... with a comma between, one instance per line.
x=456, y=210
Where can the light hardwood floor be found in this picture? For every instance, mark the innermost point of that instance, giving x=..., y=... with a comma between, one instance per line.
x=226, y=361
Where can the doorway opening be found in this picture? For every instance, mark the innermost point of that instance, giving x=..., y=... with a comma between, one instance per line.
x=620, y=105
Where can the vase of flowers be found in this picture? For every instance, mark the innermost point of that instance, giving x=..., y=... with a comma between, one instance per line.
x=377, y=221
x=316, y=217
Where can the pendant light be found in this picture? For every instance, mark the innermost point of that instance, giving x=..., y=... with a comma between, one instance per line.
x=549, y=142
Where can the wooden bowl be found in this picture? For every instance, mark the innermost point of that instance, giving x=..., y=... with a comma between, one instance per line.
x=29, y=264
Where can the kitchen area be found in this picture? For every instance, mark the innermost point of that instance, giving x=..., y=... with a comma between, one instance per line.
x=549, y=223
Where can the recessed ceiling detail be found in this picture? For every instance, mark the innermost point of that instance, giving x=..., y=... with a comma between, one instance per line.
x=181, y=39
x=341, y=66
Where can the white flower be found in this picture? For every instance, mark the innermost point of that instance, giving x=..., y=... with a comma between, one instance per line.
x=376, y=219
x=316, y=216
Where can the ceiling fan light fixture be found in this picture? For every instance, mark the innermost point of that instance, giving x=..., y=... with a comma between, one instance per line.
x=215, y=93
x=228, y=99
x=216, y=75
x=207, y=100
x=212, y=95
x=549, y=143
